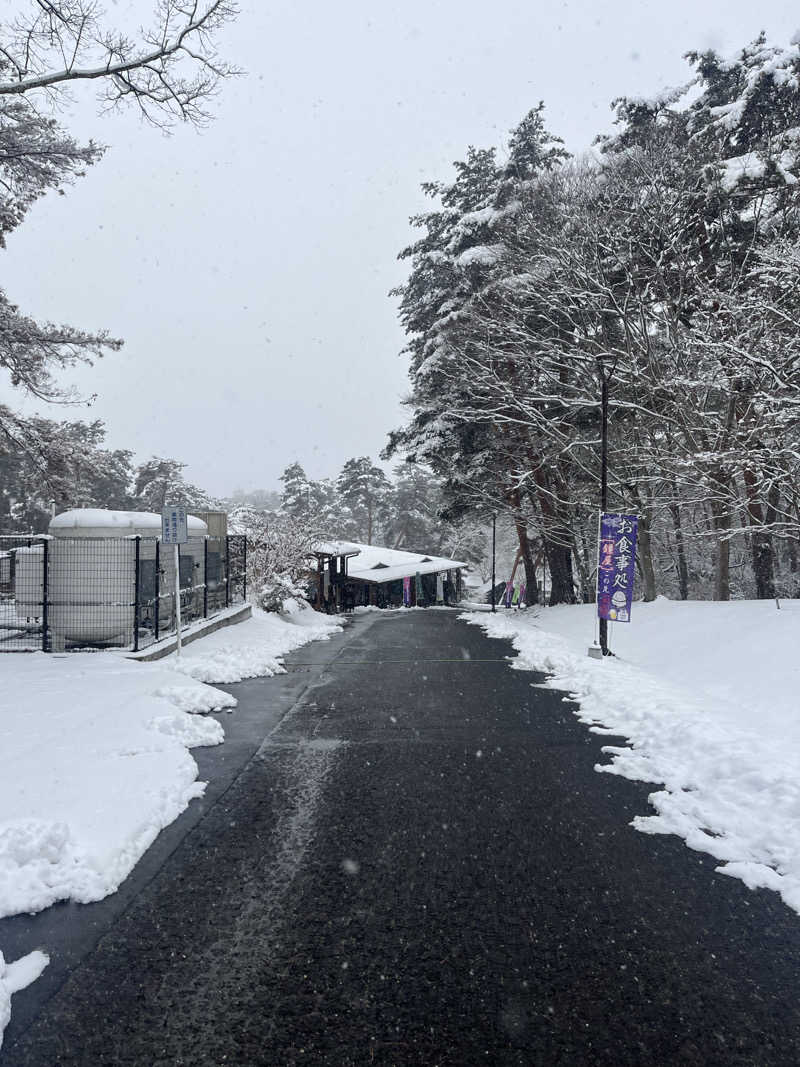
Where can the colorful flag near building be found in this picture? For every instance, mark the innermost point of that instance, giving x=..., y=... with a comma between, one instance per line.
x=407, y=591
x=616, y=566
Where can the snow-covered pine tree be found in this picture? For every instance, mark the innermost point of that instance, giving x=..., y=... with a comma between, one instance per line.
x=64, y=464
x=158, y=482
x=447, y=308
x=296, y=498
x=363, y=489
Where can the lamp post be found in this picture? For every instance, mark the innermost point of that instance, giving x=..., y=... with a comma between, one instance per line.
x=605, y=378
x=494, y=539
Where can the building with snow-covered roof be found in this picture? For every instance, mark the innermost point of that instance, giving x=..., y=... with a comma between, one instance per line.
x=390, y=577
x=328, y=582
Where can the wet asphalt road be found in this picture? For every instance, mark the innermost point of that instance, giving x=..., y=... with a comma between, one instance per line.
x=420, y=866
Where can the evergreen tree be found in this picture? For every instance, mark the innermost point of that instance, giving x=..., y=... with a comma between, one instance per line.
x=159, y=482
x=296, y=496
x=70, y=468
x=362, y=488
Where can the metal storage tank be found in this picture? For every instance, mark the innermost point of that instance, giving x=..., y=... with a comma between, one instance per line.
x=92, y=571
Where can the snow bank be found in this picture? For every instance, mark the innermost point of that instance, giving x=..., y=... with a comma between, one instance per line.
x=707, y=695
x=95, y=764
x=253, y=649
x=96, y=761
x=95, y=753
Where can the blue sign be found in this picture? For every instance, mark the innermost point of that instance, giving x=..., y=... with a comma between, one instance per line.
x=616, y=566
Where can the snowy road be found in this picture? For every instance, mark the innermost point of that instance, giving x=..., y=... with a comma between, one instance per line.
x=420, y=866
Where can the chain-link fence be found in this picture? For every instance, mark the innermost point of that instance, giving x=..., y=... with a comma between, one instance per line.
x=71, y=593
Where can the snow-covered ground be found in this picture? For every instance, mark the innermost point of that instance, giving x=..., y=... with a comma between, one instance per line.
x=96, y=761
x=708, y=696
x=253, y=649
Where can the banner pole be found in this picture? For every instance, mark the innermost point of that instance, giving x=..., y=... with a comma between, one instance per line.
x=597, y=586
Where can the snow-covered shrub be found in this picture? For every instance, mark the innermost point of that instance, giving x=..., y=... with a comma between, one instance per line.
x=279, y=592
x=278, y=551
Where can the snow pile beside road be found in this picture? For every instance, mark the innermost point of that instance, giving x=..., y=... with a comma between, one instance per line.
x=95, y=763
x=707, y=695
x=95, y=753
x=253, y=649
x=16, y=976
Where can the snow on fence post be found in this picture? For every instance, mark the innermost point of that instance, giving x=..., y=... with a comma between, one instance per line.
x=45, y=604
x=157, y=587
x=205, y=578
x=136, y=608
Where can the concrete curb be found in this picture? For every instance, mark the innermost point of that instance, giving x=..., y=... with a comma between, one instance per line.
x=150, y=654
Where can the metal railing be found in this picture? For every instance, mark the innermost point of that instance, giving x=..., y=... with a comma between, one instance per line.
x=73, y=593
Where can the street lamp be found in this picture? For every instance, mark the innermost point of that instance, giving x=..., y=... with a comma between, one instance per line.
x=494, y=540
x=605, y=374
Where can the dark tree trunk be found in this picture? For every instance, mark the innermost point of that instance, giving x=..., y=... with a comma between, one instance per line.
x=556, y=539
x=559, y=562
x=721, y=524
x=680, y=548
x=791, y=553
x=531, y=588
x=645, y=560
x=763, y=566
x=761, y=547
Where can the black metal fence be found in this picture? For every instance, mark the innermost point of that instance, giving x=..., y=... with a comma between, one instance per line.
x=72, y=593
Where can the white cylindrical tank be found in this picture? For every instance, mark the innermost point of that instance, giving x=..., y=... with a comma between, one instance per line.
x=91, y=591
x=95, y=522
x=92, y=587
x=28, y=581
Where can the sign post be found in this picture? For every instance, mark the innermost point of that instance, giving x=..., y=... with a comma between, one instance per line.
x=174, y=531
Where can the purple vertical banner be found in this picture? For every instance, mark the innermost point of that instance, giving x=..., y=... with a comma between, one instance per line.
x=509, y=593
x=616, y=566
x=406, y=591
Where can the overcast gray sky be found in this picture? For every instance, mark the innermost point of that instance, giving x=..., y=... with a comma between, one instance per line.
x=248, y=266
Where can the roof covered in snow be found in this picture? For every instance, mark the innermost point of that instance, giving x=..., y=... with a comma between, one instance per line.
x=376, y=564
x=96, y=522
x=336, y=548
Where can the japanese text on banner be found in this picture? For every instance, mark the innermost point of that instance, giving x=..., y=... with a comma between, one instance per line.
x=616, y=566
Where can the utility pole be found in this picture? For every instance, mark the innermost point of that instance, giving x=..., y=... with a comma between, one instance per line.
x=494, y=540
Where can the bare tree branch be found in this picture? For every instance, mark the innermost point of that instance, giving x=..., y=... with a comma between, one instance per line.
x=171, y=71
